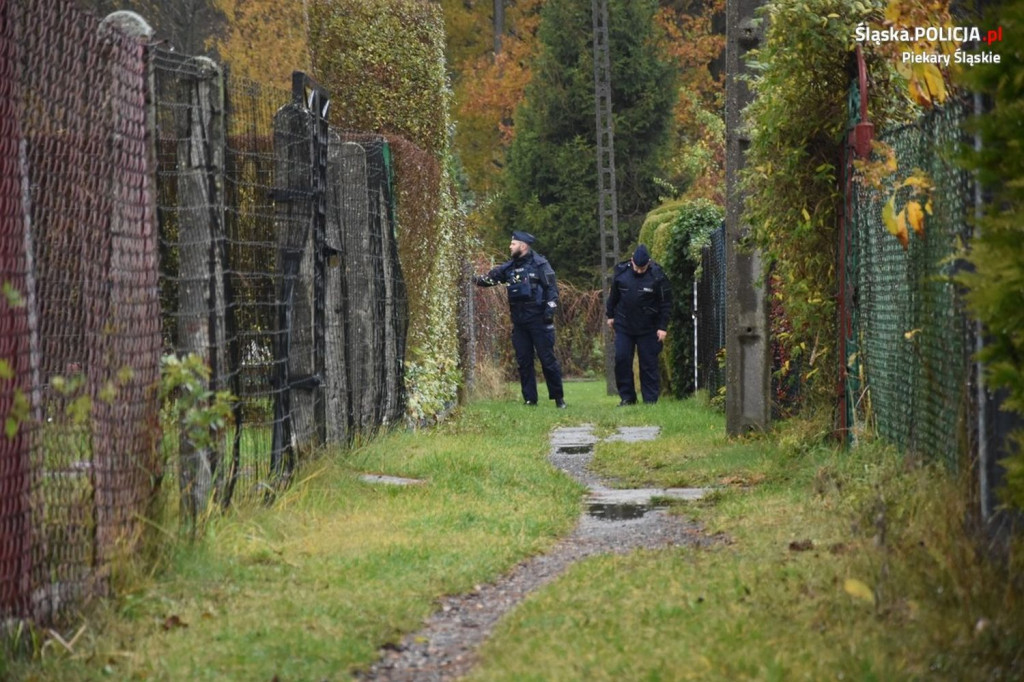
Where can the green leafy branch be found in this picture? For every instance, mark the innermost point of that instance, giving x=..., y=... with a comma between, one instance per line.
x=187, y=398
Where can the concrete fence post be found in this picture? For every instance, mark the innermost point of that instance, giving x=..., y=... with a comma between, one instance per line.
x=748, y=368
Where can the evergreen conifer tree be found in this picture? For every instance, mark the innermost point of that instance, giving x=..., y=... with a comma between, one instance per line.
x=550, y=182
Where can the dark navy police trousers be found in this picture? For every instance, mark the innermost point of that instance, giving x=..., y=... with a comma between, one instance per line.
x=647, y=347
x=539, y=337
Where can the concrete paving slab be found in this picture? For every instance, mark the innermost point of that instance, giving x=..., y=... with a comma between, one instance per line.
x=570, y=436
x=602, y=495
x=389, y=480
x=635, y=434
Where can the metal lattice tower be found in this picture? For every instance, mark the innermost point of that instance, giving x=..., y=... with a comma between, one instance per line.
x=607, y=212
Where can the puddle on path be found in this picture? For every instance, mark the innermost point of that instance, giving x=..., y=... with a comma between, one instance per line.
x=610, y=511
x=574, y=449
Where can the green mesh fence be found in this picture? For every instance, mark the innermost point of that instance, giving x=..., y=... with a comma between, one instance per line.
x=910, y=345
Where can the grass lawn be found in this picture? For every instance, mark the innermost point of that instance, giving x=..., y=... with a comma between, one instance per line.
x=829, y=565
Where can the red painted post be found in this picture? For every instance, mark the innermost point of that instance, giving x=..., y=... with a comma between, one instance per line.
x=859, y=145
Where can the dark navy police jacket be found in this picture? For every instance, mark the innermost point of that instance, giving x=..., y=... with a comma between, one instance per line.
x=532, y=287
x=640, y=304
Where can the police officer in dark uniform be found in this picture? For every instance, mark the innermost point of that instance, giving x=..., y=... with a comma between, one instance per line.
x=637, y=309
x=532, y=300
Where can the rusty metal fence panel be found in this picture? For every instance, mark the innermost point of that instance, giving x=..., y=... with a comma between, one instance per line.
x=79, y=318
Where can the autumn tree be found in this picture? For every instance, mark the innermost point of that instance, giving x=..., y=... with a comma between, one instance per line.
x=550, y=184
x=469, y=33
x=488, y=87
x=263, y=40
x=695, y=44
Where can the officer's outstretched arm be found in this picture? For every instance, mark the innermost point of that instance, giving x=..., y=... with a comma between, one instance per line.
x=494, y=277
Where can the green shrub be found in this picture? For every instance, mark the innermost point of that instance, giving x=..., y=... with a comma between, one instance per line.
x=996, y=284
x=383, y=63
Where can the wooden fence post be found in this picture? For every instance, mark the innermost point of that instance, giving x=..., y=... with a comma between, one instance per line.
x=337, y=392
x=201, y=302
x=364, y=332
x=300, y=150
x=291, y=177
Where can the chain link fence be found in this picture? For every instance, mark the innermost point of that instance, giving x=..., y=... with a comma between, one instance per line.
x=910, y=342
x=709, y=315
x=80, y=311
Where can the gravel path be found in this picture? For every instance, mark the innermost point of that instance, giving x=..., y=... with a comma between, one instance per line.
x=445, y=648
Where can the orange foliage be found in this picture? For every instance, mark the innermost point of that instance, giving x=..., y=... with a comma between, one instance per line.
x=265, y=40
x=926, y=82
x=699, y=159
x=468, y=29
x=693, y=46
x=489, y=90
